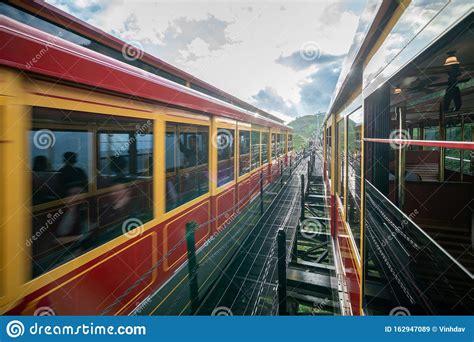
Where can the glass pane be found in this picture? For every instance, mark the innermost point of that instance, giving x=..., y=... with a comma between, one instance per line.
x=69, y=217
x=274, y=146
x=189, y=177
x=354, y=153
x=244, y=152
x=340, y=160
x=264, y=147
x=225, y=156
x=60, y=163
x=255, y=149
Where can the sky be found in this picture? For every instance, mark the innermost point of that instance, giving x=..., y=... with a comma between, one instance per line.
x=281, y=56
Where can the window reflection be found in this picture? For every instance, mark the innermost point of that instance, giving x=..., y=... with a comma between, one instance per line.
x=76, y=207
x=187, y=163
x=225, y=156
x=244, y=152
x=354, y=153
x=255, y=149
x=264, y=147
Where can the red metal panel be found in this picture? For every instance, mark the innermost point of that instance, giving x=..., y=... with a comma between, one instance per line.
x=225, y=206
x=243, y=193
x=91, y=288
x=349, y=264
x=174, y=233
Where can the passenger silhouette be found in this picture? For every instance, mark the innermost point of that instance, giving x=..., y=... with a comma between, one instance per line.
x=190, y=153
x=40, y=164
x=73, y=179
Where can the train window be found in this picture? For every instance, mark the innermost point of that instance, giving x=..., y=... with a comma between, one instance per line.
x=328, y=152
x=187, y=163
x=354, y=153
x=244, y=152
x=225, y=156
x=61, y=162
x=283, y=144
x=69, y=216
x=278, y=144
x=264, y=147
x=340, y=160
x=274, y=146
x=255, y=149
x=123, y=157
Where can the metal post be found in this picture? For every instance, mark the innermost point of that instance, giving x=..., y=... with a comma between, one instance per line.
x=302, y=197
x=400, y=175
x=291, y=165
x=192, y=265
x=281, y=246
x=294, y=253
x=261, y=193
x=281, y=175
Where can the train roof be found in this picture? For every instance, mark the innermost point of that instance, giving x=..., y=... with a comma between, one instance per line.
x=55, y=15
x=93, y=69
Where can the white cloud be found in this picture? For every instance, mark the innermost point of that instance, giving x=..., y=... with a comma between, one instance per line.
x=233, y=45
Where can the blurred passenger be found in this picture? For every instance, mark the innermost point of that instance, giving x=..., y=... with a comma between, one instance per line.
x=73, y=179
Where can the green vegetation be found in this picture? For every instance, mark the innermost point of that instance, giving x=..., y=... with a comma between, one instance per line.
x=304, y=127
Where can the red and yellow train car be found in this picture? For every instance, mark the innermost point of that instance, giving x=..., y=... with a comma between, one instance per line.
x=104, y=158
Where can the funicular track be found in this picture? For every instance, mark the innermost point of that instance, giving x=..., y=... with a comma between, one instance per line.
x=236, y=271
x=312, y=283
x=248, y=286
x=175, y=297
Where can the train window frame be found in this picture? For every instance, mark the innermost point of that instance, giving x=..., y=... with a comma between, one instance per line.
x=274, y=146
x=70, y=219
x=354, y=227
x=241, y=172
x=258, y=163
x=232, y=155
x=184, y=127
x=266, y=159
x=131, y=141
x=341, y=162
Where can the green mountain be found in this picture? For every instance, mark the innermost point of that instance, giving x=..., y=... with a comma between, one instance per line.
x=304, y=127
